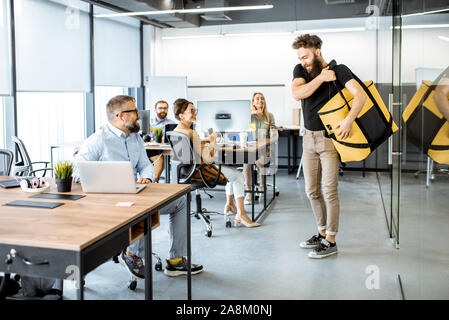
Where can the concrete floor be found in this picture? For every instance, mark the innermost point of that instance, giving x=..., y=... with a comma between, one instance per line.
x=267, y=262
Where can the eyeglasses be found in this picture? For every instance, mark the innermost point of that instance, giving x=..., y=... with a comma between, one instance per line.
x=192, y=111
x=127, y=111
x=162, y=108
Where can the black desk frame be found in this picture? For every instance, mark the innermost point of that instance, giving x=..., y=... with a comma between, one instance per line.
x=94, y=255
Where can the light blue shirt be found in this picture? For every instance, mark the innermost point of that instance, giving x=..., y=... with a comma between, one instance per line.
x=155, y=123
x=111, y=144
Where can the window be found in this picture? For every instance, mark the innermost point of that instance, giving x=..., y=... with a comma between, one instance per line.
x=102, y=96
x=49, y=118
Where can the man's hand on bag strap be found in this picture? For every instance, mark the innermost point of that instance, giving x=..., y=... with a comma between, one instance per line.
x=327, y=75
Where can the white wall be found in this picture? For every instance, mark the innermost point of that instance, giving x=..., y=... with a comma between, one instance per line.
x=269, y=59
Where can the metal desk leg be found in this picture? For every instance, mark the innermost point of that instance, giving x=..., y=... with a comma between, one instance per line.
x=265, y=192
x=253, y=179
x=79, y=281
x=148, y=259
x=167, y=168
x=289, y=153
x=189, y=250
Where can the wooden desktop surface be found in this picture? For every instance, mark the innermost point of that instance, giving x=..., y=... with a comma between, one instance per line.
x=79, y=223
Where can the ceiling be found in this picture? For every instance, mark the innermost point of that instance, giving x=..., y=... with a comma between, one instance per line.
x=284, y=10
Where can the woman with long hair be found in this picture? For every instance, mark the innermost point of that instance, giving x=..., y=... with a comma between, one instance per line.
x=185, y=112
x=262, y=121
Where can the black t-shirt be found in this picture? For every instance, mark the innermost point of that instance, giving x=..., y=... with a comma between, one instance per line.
x=312, y=104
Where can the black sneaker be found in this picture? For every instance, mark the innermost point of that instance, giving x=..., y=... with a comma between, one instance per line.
x=133, y=264
x=313, y=242
x=180, y=268
x=324, y=249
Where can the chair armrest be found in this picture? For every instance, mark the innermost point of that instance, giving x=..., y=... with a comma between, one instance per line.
x=189, y=176
x=45, y=162
x=33, y=173
x=208, y=184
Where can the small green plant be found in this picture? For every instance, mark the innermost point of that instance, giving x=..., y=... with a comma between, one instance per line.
x=63, y=170
x=157, y=132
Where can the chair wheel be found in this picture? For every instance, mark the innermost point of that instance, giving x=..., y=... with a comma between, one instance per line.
x=132, y=285
x=277, y=194
x=158, y=266
x=228, y=224
x=17, y=277
x=115, y=259
x=208, y=233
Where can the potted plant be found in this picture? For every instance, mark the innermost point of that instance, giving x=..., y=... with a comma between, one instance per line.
x=63, y=175
x=157, y=134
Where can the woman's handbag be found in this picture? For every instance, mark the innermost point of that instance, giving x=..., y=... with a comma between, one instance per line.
x=425, y=126
x=371, y=128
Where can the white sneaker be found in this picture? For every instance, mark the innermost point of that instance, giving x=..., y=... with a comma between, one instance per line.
x=247, y=199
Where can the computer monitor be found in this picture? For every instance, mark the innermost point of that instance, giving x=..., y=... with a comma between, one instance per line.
x=144, y=121
x=223, y=115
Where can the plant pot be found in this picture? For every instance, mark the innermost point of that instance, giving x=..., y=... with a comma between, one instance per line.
x=158, y=139
x=64, y=185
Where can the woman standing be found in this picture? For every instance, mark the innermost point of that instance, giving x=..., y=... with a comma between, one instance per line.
x=262, y=121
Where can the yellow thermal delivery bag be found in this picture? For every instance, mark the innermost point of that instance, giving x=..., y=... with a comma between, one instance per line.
x=371, y=128
x=426, y=126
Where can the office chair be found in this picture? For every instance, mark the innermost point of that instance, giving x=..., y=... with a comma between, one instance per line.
x=25, y=167
x=6, y=166
x=10, y=287
x=186, y=162
x=430, y=172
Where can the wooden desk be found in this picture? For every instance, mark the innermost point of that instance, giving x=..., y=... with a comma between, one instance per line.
x=167, y=152
x=291, y=133
x=83, y=233
x=249, y=155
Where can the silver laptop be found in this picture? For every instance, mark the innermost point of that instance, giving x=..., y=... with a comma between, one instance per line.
x=108, y=177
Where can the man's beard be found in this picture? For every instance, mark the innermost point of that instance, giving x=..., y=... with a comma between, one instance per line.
x=316, y=69
x=133, y=127
x=161, y=115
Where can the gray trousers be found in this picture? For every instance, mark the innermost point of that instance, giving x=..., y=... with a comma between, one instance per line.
x=177, y=229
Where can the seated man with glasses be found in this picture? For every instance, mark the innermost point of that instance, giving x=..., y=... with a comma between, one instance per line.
x=160, y=121
x=119, y=141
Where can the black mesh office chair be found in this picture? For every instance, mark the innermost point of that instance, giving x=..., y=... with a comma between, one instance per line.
x=186, y=162
x=24, y=166
x=6, y=159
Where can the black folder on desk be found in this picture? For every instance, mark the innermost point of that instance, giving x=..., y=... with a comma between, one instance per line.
x=34, y=204
x=58, y=196
x=10, y=183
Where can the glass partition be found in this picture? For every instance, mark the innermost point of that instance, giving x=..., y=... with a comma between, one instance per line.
x=424, y=152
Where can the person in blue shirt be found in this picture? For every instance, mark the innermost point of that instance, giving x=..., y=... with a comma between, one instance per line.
x=119, y=141
x=161, y=109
